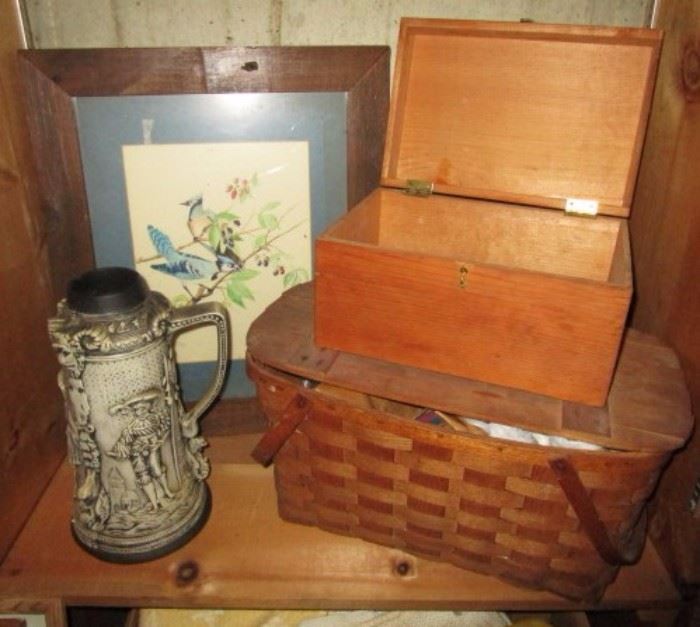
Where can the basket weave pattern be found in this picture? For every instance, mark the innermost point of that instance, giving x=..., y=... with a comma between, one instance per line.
x=482, y=504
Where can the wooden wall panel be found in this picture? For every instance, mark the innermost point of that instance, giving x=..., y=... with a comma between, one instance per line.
x=665, y=231
x=31, y=413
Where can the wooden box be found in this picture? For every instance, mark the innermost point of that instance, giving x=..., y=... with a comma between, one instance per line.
x=511, y=130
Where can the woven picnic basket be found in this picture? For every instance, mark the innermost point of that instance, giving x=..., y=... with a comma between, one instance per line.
x=557, y=519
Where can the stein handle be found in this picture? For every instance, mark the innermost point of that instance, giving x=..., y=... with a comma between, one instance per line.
x=197, y=315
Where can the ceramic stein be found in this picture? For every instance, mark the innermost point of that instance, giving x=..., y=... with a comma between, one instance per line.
x=140, y=488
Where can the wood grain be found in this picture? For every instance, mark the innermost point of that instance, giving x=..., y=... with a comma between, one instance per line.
x=51, y=610
x=488, y=232
x=53, y=77
x=65, y=219
x=454, y=304
x=648, y=407
x=665, y=232
x=31, y=423
x=230, y=416
x=247, y=557
x=524, y=113
x=141, y=71
x=368, y=109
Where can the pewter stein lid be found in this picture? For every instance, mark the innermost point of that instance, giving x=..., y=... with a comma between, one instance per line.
x=109, y=311
x=107, y=291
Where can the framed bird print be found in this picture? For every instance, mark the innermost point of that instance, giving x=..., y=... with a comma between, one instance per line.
x=149, y=154
x=233, y=226
x=209, y=170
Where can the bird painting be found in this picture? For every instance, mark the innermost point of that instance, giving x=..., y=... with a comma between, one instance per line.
x=198, y=222
x=225, y=237
x=185, y=266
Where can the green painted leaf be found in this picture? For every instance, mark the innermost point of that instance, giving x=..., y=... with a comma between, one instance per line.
x=214, y=234
x=271, y=206
x=260, y=241
x=268, y=221
x=226, y=215
x=234, y=293
x=294, y=277
x=244, y=290
x=236, y=299
x=244, y=275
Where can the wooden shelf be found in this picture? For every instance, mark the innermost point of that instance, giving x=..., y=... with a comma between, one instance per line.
x=246, y=556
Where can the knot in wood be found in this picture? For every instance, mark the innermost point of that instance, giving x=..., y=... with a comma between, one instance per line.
x=186, y=573
x=690, y=72
x=402, y=568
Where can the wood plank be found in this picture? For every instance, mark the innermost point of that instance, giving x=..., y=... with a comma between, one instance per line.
x=52, y=610
x=574, y=103
x=123, y=71
x=537, y=332
x=120, y=71
x=650, y=394
x=247, y=557
x=296, y=68
x=648, y=407
x=621, y=265
x=224, y=449
x=31, y=422
x=487, y=232
x=53, y=78
x=66, y=222
x=665, y=231
x=233, y=416
x=368, y=109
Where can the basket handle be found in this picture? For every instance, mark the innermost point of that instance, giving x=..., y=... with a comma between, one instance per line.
x=593, y=526
x=293, y=415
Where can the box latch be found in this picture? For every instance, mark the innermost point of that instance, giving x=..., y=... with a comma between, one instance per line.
x=581, y=207
x=418, y=187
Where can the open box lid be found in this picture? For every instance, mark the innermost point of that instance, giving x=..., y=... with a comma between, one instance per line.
x=544, y=115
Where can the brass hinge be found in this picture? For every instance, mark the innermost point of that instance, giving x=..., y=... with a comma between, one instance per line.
x=417, y=187
x=581, y=207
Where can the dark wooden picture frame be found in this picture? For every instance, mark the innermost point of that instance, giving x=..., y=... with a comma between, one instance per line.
x=53, y=78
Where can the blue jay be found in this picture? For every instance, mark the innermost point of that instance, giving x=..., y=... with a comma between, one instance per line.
x=199, y=224
x=198, y=221
x=185, y=266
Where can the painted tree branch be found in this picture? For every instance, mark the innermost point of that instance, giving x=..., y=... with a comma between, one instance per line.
x=205, y=291
x=181, y=247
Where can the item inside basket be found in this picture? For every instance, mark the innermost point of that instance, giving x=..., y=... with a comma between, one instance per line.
x=450, y=421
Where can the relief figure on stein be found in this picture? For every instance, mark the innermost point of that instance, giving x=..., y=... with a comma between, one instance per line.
x=140, y=442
